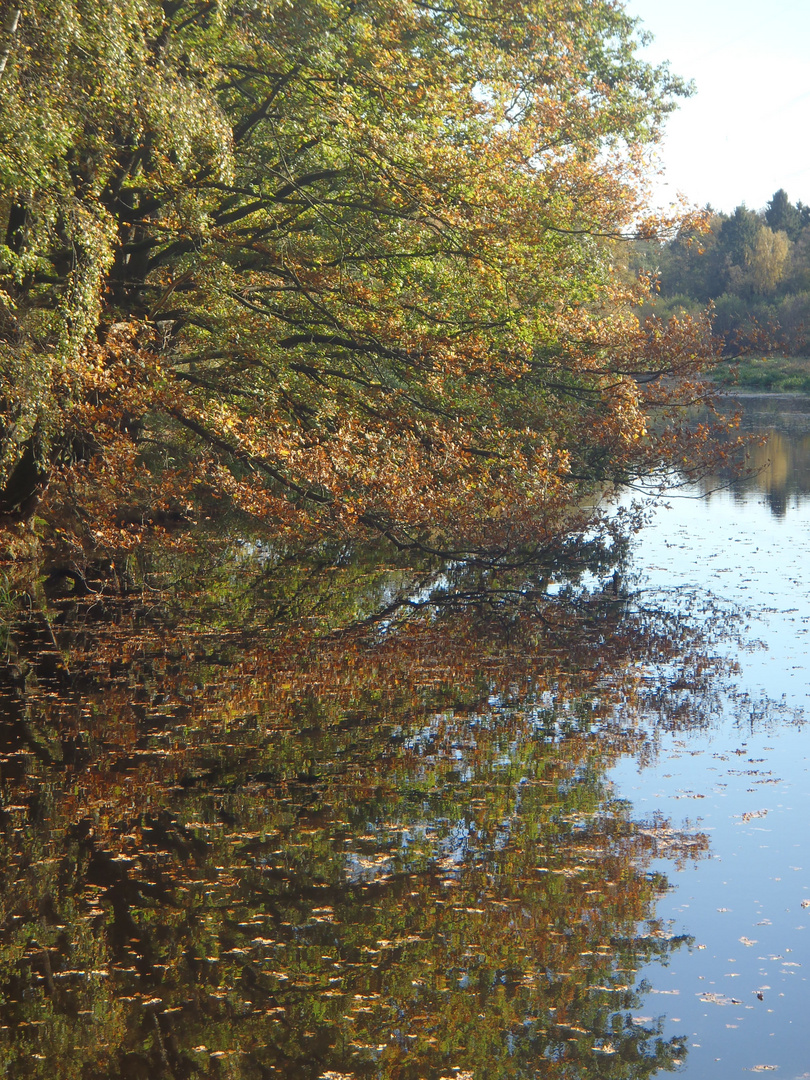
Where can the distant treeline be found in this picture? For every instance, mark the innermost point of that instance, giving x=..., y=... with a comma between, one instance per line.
x=753, y=266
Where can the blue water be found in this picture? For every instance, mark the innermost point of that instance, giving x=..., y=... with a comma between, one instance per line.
x=744, y=781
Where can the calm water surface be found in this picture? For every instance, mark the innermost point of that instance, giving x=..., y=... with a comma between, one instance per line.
x=745, y=779
x=294, y=828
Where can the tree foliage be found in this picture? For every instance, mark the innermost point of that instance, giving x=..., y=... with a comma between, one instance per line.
x=343, y=266
x=754, y=267
x=782, y=216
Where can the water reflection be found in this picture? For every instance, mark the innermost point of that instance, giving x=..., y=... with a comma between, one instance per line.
x=781, y=463
x=346, y=846
x=745, y=776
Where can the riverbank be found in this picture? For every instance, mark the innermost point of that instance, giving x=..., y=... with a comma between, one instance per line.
x=771, y=373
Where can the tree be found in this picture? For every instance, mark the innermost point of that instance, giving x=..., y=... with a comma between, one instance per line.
x=738, y=236
x=769, y=261
x=686, y=266
x=341, y=266
x=782, y=216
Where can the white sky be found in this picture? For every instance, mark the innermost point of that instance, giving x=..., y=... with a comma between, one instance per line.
x=746, y=131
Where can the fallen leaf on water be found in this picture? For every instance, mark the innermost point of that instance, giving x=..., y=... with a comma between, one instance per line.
x=605, y=1048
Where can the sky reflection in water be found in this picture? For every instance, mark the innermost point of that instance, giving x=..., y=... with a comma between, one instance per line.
x=396, y=853
x=745, y=781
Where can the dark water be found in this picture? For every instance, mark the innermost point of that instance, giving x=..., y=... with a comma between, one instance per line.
x=346, y=817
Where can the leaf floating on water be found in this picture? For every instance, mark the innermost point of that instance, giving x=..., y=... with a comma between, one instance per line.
x=713, y=998
x=605, y=1048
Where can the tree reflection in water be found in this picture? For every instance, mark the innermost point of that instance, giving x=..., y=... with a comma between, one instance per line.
x=330, y=820
x=777, y=462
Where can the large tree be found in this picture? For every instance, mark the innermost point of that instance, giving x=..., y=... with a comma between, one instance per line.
x=782, y=216
x=342, y=264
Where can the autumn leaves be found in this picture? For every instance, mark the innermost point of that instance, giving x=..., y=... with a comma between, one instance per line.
x=350, y=272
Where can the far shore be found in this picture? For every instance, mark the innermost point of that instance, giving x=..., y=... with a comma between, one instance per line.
x=765, y=375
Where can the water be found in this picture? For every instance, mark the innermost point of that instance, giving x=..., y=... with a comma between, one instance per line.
x=286, y=829
x=745, y=780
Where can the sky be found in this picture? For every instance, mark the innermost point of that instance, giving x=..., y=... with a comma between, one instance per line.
x=746, y=131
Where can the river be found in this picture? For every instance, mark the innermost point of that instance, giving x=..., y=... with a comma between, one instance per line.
x=744, y=778
x=344, y=817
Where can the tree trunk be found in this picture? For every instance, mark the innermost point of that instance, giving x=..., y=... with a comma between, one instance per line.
x=7, y=39
x=25, y=486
